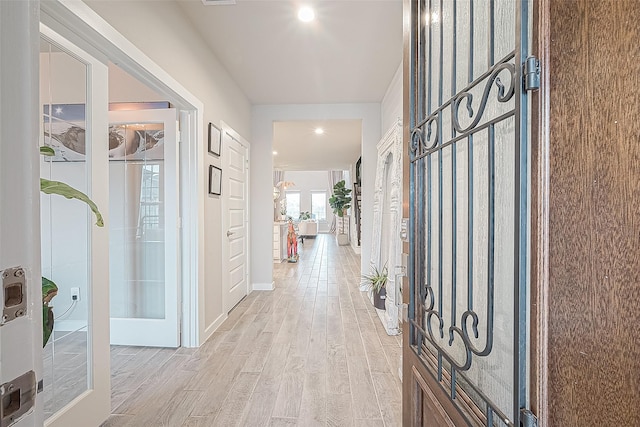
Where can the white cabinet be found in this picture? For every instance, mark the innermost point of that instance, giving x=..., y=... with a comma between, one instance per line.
x=279, y=241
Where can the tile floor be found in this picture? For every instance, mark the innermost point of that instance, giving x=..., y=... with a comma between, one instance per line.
x=310, y=353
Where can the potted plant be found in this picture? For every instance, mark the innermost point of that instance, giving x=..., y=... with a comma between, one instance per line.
x=340, y=202
x=305, y=216
x=376, y=282
x=283, y=210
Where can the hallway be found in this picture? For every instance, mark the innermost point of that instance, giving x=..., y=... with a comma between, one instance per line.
x=311, y=352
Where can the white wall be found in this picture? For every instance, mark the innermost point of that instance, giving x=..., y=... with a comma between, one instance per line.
x=123, y=87
x=392, y=101
x=161, y=30
x=262, y=120
x=163, y=33
x=306, y=182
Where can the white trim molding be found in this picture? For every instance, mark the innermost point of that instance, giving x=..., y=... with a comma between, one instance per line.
x=263, y=286
x=210, y=329
x=387, y=219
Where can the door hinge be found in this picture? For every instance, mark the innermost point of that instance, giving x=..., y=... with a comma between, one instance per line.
x=527, y=418
x=531, y=73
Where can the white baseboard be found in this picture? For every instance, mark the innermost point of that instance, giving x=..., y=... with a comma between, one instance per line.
x=209, y=330
x=263, y=286
x=357, y=249
x=390, y=326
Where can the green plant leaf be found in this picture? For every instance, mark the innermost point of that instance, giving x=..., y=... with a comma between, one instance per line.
x=47, y=151
x=62, y=189
x=47, y=324
x=377, y=279
x=340, y=200
x=49, y=290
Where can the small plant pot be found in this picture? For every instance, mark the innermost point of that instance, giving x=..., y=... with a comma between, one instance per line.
x=343, y=239
x=379, y=299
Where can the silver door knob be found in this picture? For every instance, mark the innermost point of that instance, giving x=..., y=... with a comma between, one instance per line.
x=230, y=233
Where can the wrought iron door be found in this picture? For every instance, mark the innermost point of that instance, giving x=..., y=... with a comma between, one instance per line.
x=468, y=203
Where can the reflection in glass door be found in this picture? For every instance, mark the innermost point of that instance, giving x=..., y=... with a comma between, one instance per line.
x=65, y=225
x=144, y=241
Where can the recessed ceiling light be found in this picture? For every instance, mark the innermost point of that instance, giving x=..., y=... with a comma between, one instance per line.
x=275, y=153
x=306, y=14
x=319, y=131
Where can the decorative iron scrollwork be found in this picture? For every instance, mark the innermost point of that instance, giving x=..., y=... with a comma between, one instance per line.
x=463, y=333
x=503, y=96
x=425, y=137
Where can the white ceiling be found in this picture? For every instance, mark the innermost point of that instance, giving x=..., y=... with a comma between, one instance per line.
x=300, y=148
x=348, y=54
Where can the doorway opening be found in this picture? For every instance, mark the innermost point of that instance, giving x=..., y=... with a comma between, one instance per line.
x=142, y=169
x=309, y=158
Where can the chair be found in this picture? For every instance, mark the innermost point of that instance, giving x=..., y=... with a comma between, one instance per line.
x=307, y=228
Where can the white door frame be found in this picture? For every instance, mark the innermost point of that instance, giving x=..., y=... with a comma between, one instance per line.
x=99, y=38
x=21, y=339
x=226, y=129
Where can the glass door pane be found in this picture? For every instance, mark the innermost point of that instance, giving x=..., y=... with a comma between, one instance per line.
x=137, y=221
x=65, y=226
x=144, y=240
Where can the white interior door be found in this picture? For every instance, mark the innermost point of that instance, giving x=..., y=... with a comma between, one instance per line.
x=235, y=195
x=144, y=212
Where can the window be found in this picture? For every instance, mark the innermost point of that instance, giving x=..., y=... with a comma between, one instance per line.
x=150, y=199
x=319, y=205
x=293, y=204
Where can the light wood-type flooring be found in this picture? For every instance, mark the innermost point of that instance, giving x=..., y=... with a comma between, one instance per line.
x=64, y=370
x=310, y=353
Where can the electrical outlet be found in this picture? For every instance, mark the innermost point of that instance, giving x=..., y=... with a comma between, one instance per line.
x=75, y=294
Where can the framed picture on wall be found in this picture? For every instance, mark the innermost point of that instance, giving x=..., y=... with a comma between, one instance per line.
x=64, y=131
x=214, y=139
x=215, y=180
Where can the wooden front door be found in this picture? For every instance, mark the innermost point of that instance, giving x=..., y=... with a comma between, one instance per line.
x=466, y=338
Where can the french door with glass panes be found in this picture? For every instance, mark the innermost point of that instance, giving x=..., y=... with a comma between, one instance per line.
x=74, y=245
x=144, y=245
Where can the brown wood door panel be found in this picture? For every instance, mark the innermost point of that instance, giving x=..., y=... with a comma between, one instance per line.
x=428, y=411
x=425, y=403
x=590, y=163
